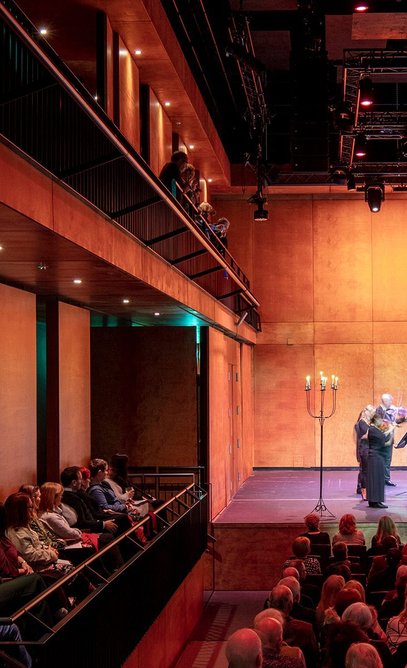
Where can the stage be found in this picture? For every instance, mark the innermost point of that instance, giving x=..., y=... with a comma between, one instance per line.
x=254, y=533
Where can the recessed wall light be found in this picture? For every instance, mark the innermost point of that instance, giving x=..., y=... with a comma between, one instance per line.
x=138, y=52
x=77, y=281
x=157, y=314
x=126, y=301
x=167, y=104
x=191, y=146
x=43, y=31
x=123, y=52
x=210, y=180
x=1, y=248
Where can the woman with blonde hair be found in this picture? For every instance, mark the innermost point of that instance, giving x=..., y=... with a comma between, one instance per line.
x=330, y=589
x=363, y=655
x=50, y=512
x=348, y=532
x=362, y=447
x=385, y=527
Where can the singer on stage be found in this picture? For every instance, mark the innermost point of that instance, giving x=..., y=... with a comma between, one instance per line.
x=394, y=415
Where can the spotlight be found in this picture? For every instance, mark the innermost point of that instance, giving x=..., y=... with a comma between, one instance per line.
x=260, y=214
x=360, y=145
x=344, y=117
x=361, y=7
x=338, y=176
x=374, y=196
x=366, y=92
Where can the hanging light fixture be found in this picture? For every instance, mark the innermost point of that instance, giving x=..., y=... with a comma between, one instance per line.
x=366, y=92
x=374, y=196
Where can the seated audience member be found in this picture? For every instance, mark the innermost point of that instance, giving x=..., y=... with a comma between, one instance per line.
x=344, y=599
x=339, y=556
x=190, y=190
x=355, y=584
x=396, y=630
x=348, y=532
x=340, y=637
x=330, y=589
x=206, y=212
x=393, y=601
x=301, y=548
x=386, y=578
x=339, y=569
x=305, y=600
x=11, y=633
x=379, y=560
x=298, y=611
x=27, y=542
x=313, y=532
x=100, y=490
x=359, y=613
x=50, y=512
x=270, y=632
x=296, y=632
x=219, y=238
x=308, y=589
x=243, y=649
x=122, y=487
x=171, y=173
x=45, y=534
x=362, y=655
x=385, y=527
x=286, y=650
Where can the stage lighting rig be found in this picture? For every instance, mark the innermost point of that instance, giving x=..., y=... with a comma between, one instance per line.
x=374, y=196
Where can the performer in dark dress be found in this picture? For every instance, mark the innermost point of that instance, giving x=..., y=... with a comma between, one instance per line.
x=377, y=435
x=362, y=447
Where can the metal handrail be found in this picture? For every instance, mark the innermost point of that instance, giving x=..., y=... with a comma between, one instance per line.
x=26, y=32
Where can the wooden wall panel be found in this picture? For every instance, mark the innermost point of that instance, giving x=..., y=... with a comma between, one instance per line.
x=283, y=255
x=74, y=385
x=160, y=134
x=342, y=261
x=331, y=280
x=230, y=418
x=109, y=104
x=18, y=387
x=144, y=394
x=129, y=97
x=165, y=639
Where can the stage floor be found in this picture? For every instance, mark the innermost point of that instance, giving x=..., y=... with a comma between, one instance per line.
x=281, y=497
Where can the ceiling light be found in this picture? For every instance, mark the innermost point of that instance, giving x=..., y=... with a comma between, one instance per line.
x=167, y=104
x=43, y=31
x=366, y=92
x=137, y=52
x=210, y=180
x=361, y=7
x=191, y=146
x=261, y=214
x=157, y=314
x=126, y=301
x=374, y=195
x=360, y=145
x=77, y=281
x=123, y=52
x=1, y=248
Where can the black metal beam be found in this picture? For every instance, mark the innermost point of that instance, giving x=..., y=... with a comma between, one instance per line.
x=168, y=235
x=190, y=256
x=136, y=207
x=231, y=294
x=97, y=162
x=211, y=270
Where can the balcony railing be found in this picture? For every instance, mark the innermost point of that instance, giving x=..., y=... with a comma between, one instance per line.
x=49, y=115
x=104, y=628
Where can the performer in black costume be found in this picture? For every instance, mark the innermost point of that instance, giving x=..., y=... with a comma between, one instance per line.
x=378, y=438
x=362, y=447
x=394, y=415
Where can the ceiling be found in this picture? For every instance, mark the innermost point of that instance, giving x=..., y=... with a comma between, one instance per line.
x=299, y=55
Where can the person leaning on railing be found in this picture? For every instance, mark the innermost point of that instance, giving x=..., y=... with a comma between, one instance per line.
x=171, y=173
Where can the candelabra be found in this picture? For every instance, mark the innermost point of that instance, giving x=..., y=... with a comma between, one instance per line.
x=321, y=417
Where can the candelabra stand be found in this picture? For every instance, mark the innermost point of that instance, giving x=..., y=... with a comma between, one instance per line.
x=321, y=507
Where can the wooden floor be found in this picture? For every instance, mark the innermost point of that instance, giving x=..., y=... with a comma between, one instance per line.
x=281, y=497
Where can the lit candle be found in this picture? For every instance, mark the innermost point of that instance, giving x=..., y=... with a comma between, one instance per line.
x=333, y=381
x=307, y=383
x=323, y=382
x=336, y=382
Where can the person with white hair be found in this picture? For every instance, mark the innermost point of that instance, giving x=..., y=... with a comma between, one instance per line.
x=270, y=632
x=394, y=415
x=298, y=611
x=358, y=613
x=243, y=649
x=362, y=655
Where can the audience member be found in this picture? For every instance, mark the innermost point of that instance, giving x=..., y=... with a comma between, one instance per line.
x=45, y=534
x=397, y=629
x=296, y=632
x=355, y=584
x=393, y=601
x=219, y=238
x=348, y=532
x=301, y=548
x=315, y=535
x=243, y=649
x=386, y=578
x=100, y=490
x=123, y=488
x=270, y=632
x=330, y=589
x=10, y=633
x=298, y=611
x=190, y=190
x=385, y=527
x=50, y=512
x=339, y=557
x=171, y=173
x=362, y=655
x=340, y=637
